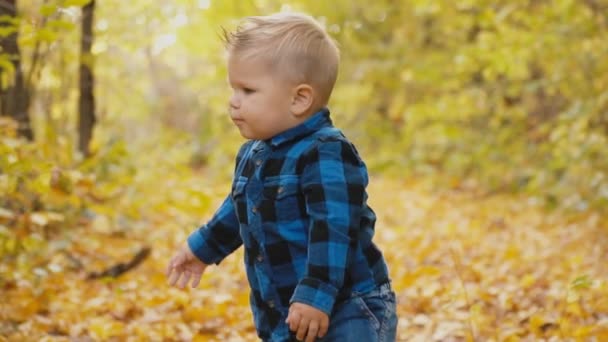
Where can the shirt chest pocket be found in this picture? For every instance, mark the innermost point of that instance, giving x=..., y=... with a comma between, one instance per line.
x=240, y=200
x=282, y=200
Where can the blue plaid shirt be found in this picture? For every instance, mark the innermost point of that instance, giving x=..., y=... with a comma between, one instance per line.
x=299, y=206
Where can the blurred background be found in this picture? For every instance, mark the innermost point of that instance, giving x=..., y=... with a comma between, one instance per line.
x=114, y=122
x=504, y=95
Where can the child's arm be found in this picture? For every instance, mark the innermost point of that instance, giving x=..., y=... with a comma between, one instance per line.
x=219, y=237
x=333, y=182
x=207, y=245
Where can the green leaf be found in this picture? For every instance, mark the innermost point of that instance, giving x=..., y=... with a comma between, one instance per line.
x=8, y=19
x=7, y=31
x=61, y=25
x=78, y=3
x=6, y=64
x=48, y=9
x=46, y=35
x=582, y=282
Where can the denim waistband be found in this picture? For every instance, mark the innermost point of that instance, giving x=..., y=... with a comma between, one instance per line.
x=386, y=287
x=381, y=289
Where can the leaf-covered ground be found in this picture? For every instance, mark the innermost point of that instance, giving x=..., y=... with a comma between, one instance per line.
x=465, y=268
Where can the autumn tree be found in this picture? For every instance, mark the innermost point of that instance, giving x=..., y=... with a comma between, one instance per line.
x=14, y=93
x=86, y=103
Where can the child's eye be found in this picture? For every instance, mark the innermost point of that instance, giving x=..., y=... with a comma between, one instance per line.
x=248, y=90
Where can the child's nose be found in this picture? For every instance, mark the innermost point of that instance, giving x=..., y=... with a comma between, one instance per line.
x=234, y=101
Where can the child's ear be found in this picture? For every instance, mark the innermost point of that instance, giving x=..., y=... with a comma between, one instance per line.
x=302, y=100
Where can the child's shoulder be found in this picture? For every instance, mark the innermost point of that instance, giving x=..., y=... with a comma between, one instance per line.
x=333, y=141
x=318, y=139
x=323, y=136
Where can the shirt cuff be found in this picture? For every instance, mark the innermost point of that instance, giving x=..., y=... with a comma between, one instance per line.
x=198, y=242
x=315, y=293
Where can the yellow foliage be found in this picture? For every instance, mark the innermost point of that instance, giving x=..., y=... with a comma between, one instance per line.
x=482, y=100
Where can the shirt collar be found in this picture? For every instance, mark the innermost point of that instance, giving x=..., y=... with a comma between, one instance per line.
x=317, y=121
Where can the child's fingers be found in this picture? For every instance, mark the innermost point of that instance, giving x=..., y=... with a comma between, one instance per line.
x=172, y=267
x=175, y=262
x=197, y=279
x=294, y=320
x=323, y=326
x=169, y=270
x=288, y=315
x=313, y=329
x=185, y=279
x=303, y=327
x=175, y=274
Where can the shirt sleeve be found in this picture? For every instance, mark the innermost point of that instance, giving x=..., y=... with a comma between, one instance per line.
x=215, y=240
x=333, y=182
x=219, y=237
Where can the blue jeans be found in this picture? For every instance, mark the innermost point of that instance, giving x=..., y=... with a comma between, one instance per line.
x=367, y=317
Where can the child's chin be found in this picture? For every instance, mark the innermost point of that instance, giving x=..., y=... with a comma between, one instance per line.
x=248, y=135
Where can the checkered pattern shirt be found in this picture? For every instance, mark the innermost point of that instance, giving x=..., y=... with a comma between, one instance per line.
x=299, y=206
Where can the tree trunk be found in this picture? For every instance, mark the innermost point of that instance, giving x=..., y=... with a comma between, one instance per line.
x=14, y=94
x=86, y=103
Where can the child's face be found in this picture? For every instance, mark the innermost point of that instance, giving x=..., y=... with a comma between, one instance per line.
x=260, y=102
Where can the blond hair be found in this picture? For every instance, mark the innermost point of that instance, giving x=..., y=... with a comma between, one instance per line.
x=293, y=44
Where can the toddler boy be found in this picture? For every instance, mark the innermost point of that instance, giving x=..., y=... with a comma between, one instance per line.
x=298, y=202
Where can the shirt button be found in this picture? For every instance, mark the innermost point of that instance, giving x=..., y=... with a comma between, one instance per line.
x=270, y=304
x=260, y=258
x=254, y=209
x=258, y=162
x=280, y=190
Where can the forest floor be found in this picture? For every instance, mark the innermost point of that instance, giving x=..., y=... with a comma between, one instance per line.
x=464, y=267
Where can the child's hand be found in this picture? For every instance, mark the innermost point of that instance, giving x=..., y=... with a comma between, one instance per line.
x=307, y=321
x=186, y=264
